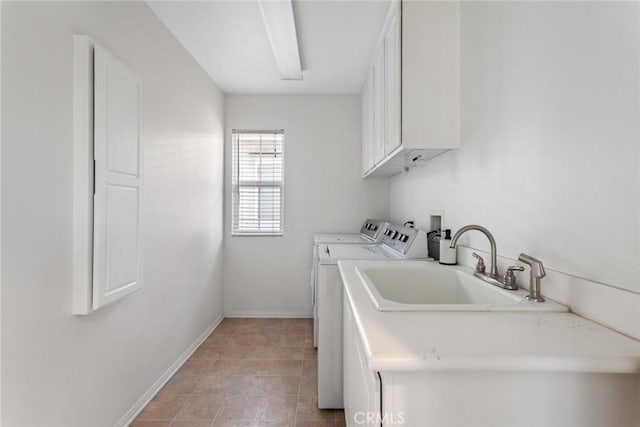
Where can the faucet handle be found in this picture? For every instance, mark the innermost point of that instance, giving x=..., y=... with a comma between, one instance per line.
x=509, y=278
x=480, y=266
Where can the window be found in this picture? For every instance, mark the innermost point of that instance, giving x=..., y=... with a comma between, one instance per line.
x=257, y=181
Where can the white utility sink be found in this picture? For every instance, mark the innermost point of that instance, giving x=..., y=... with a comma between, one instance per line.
x=426, y=286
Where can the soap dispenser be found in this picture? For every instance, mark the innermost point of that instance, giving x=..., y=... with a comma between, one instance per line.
x=447, y=254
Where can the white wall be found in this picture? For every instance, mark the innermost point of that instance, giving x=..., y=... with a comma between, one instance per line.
x=549, y=156
x=323, y=193
x=58, y=369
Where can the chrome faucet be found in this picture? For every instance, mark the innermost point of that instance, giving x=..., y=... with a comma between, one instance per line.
x=508, y=281
x=492, y=242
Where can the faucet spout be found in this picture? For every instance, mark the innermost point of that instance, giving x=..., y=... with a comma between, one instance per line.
x=494, y=267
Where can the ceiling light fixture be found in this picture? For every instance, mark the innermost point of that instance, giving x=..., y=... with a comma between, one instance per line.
x=281, y=30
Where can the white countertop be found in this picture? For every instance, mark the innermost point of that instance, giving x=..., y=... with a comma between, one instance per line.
x=484, y=341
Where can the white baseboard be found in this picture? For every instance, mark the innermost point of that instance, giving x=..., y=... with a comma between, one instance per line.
x=166, y=376
x=278, y=314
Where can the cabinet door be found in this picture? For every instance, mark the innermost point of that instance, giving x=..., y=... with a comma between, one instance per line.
x=366, y=145
x=392, y=75
x=350, y=362
x=118, y=179
x=347, y=364
x=361, y=386
x=371, y=121
x=378, y=105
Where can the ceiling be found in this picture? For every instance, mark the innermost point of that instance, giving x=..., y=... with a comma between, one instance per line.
x=336, y=40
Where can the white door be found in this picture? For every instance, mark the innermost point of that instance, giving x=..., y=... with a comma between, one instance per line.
x=393, y=89
x=361, y=386
x=371, y=121
x=365, y=128
x=118, y=179
x=379, y=103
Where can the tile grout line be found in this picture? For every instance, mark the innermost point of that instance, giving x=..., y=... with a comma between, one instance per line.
x=175, y=418
x=192, y=391
x=226, y=393
x=181, y=406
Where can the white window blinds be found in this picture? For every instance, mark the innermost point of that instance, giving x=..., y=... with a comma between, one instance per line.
x=257, y=181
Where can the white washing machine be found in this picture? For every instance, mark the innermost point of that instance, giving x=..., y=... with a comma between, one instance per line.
x=398, y=242
x=370, y=233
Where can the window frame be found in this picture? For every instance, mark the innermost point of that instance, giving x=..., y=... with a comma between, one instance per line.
x=235, y=187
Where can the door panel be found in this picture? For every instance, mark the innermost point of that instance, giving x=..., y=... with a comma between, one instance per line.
x=379, y=133
x=393, y=89
x=118, y=179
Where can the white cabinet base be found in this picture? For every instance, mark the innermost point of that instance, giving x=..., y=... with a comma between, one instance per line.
x=510, y=399
x=421, y=398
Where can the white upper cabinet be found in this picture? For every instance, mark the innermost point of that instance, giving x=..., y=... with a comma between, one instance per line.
x=416, y=80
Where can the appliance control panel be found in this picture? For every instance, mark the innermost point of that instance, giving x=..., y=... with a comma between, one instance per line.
x=401, y=239
x=373, y=229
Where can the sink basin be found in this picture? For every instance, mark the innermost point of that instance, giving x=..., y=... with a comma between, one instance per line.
x=433, y=287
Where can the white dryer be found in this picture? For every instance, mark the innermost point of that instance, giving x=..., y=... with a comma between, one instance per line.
x=398, y=242
x=370, y=233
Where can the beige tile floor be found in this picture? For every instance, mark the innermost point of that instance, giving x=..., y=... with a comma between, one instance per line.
x=248, y=372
